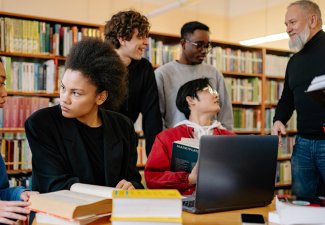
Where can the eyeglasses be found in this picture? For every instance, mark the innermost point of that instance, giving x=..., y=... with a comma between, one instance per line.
x=201, y=45
x=211, y=90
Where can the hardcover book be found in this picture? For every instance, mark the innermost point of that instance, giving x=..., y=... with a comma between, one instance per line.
x=185, y=154
x=147, y=207
x=82, y=200
x=293, y=210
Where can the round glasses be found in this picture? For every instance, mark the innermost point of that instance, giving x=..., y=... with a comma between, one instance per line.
x=201, y=45
x=211, y=90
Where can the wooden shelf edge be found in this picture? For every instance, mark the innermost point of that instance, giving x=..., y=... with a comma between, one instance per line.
x=14, y=130
x=274, y=77
x=52, y=20
x=285, y=157
x=32, y=55
x=234, y=73
x=35, y=93
x=279, y=185
x=247, y=131
x=19, y=171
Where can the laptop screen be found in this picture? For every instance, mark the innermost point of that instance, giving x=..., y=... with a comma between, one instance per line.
x=236, y=172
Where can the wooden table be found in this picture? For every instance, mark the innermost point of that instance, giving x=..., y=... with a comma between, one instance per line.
x=218, y=218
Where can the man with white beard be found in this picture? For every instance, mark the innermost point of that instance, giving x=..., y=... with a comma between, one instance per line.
x=304, y=26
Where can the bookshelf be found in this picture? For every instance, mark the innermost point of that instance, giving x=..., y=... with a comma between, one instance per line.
x=34, y=51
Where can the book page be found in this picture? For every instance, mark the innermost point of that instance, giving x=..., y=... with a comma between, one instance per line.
x=101, y=191
x=193, y=142
x=317, y=79
x=317, y=83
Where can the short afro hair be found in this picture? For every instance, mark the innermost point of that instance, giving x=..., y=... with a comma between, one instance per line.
x=98, y=61
x=190, y=89
x=190, y=27
x=122, y=25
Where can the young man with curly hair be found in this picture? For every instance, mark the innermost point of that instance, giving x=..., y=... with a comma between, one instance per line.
x=78, y=141
x=128, y=31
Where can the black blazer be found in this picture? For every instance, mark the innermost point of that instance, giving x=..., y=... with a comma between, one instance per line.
x=60, y=158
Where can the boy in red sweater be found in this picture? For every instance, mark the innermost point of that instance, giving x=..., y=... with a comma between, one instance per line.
x=200, y=103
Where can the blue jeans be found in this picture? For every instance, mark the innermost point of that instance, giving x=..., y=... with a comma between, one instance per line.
x=307, y=166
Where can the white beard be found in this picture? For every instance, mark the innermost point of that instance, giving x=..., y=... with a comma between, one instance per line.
x=300, y=40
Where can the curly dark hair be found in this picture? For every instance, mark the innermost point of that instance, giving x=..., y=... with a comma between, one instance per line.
x=123, y=24
x=190, y=89
x=98, y=61
x=190, y=27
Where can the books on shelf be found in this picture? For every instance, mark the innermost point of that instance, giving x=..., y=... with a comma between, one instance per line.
x=247, y=119
x=17, y=109
x=15, y=151
x=283, y=172
x=80, y=202
x=185, y=154
x=147, y=207
x=291, y=210
x=41, y=37
x=316, y=89
x=276, y=65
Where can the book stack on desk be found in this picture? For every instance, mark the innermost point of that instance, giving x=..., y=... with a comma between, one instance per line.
x=146, y=207
x=292, y=210
x=82, y=204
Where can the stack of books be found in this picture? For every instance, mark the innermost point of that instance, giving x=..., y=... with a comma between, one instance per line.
x=80, y=205
x=146, y=207
x=292, y=210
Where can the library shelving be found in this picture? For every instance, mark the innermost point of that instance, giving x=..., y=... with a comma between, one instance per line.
x=33, y=50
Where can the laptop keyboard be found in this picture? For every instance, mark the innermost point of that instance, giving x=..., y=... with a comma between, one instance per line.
x=188, y=203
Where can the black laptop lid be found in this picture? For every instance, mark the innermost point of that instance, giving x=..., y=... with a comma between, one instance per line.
x=236, y=172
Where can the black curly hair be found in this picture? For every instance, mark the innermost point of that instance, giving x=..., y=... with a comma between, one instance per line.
x=190, y=89
x=122, y=25
x=98, y=61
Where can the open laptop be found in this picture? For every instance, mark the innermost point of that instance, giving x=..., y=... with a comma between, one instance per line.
x=234, y=172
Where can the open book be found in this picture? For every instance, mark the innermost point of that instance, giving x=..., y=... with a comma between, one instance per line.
x=82, y=200
x=185, y=154
x=316, y=89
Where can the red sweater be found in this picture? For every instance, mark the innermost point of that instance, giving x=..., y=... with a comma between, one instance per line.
x=157, y=171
